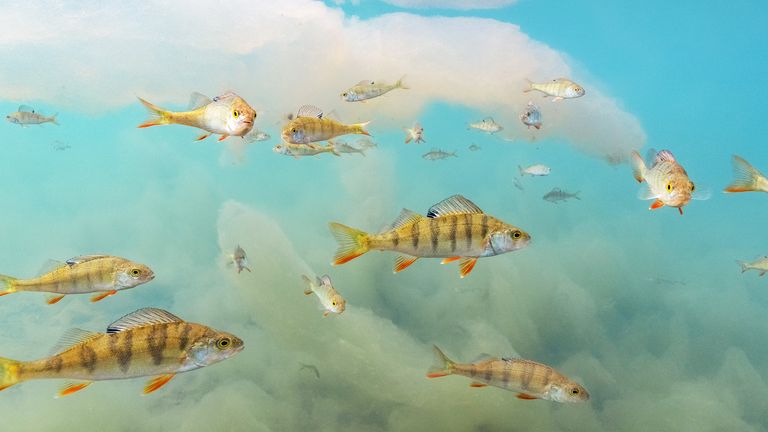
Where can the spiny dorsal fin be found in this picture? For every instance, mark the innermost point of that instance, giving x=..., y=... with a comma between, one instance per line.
x=141, y=318
x=488, y=120
x=49, y=266
x=483, y=357
x=26, y=108
x=309, y=111
x=455, y=204
x=406, y=217
x=198, y=100
x=83, y=258
x=664, y=155
x=365, y=83
x=325, y=280
x=72, y=337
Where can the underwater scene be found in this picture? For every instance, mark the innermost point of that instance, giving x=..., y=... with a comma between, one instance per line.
x=383, y=215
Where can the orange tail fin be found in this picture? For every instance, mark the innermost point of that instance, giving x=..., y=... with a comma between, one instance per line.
x=157, y=115
x=352, y=243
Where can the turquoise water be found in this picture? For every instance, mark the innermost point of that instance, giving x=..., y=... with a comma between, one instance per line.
x=647, y=310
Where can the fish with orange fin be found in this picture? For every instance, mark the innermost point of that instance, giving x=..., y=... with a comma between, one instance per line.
x=531, y=380
x=747, y=178
x=226, y=115
x=668, y=183
x=311, y=125
x=454, y=229
x=103, y=275
x=147, y=343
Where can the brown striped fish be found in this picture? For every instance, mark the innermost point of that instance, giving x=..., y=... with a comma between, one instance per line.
x=101, y=274
x=531, y=380
x=149, y=342
x=310, y=125
x=454, y=229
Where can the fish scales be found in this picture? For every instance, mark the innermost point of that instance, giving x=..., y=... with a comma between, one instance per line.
x=81, y=278
x=514, y=374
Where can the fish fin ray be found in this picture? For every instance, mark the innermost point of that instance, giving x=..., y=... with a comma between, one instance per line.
x=83, y=258
x=402, y=262
x=156, y=383
x=203, y=136
x=102, y=296
x=72, y=387
x=406, y=217
x=450, y=260
x=157, y=115
x=141, y=318
x=663, y=156
x=656, y=204
x=638, y=167
x=352, y=243
x=477, y=384
x=72, y=337
x=54, y=298
x=442, y=366
x=466, y=265
x=309, y=111
x=746, y=177
x=198, y=100
x=453, y=205
x=526, y=396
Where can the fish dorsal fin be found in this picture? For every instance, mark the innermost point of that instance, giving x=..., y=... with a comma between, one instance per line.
x=72, y=337
x=141, y=318
x=366, y=82
x=488, y=120
x=309, y=111
x=50, y=266
x=325, y=280
x=227, y=95
x=83, y=258
x=26, y=108
x=664, y=155
x=456, y=204
x=406, y=217
x=198, y=100
x=483, y=357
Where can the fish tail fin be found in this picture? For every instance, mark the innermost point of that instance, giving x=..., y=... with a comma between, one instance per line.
x=530, y=85
x=746, y=176
x=401, y=83
x=307, y=281
x=352, y=243
x=7, y=285
x=442, y=366
x=520, y=169
x=157, y=115
x=332, y=149
x=576, y=195
x=53, y=119
x=743, y=265
x=638, y=167
x=359, y=128
x=9, y=373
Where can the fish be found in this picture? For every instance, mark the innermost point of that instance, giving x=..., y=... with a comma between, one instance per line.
x=455, y=229
x=668, y=183
x=415, y=134
x=517, y=184
x=529, y=379
x=664, y=281
x=535, y=170
x=531, y=116
x=240, y=260
x=149, y=342
x=256, y=135
x=310, y=125
x=342, y=147
x=367, y=89
x=437, y=154
x=559, y=88
x=226, y=115
x=366, y=143
x=309, y=367
x=487, y=125
x=556, y=195
x=299, y=150
x=26, y=115
x=104, y=275
x=60, y=146
x=330, y=299
x=474, y=147
x=761, y=265
x=747, y=178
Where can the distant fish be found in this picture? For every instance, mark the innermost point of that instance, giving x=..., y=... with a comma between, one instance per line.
x=761, y=265
x=474, y=147
x=240, y=260
x=663, y=281
x=415, y=134
x=556, y=195
x=342, y=147
x=437, y=154
x=256, y=135
x=487, y=125
x=309, y=367
x=366, y=143
x=60, y=146
x=616, y=158
x=330, y=299
x=531, y=116
x=147, y=343
x=311, y=125
x=367, y=89
x=535, y=170
x=560, y=88
x=668, y=183
x=517, y=184
x=299, y=150
x=747, y=178
x=529, y=379
x=454, y=229
x=101, y=274
x=26, y=115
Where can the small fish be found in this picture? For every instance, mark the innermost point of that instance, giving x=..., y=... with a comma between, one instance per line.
x=330, y=299
x=529, y=379
x=474, y=147
x=240, y=260
x=26, y=115
x=668, y=183
x=366, y=143
x=310, y=125
x=60, y=146
x=147, y=343
x=663, y=281
x=415, y=134
x=437, y=154
x=531, y=116
x=556, y=195
x=226, y=115
x=342, y=147
x=487, y=125
x=367, y=89
x=747, y=178
x=102, y=274
x=256, y=135
x=299, y=150
x=454, y=229
x=761, y=265
x=534, y=170
x=560, y=88
x=517, y=184
x=309, y=367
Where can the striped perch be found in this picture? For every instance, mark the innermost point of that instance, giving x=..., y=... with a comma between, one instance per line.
x=529, y=379
x=454, y=229
x=148, y=342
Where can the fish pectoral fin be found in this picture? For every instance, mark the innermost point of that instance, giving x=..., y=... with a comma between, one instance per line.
x=402, y=262
x=762, y=274
x=72, y=387
x=308, y=292
x=326, y=313
x=680, y=209
x=203, y=136
x=102, y=296
x=450, y=260
x=656, y=204
x=526, y=396
x=466, y=265
x=477, y=384
x=157, y=382
x=53, y=299
x=223, y=137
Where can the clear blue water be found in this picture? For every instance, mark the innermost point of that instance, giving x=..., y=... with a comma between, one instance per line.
x=648, y=310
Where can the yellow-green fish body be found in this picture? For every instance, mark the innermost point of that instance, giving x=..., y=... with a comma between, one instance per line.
x=559, y=89
x=310, y=125
x=26, y=115
x=367, y=89
x=330, y=299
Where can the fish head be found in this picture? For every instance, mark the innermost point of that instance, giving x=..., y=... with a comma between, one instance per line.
x=14, y=118
x=295, y=133
x=352, y=95
x=568, y=392
x=240, y=116
x=212, y=347
x=507, y=239
x=131, y=274
x=337, y=304
x=677, y=191
x=574, y=90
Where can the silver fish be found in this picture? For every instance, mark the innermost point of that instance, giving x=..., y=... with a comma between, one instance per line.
x=60, y=146
x=366, y=143
x=535, y=170
x=256, y=135
x=474, y=147
x=531, y=116
x=240, y=260
x=556, y=195
x=487, y=125
x=367, y=89
x=310, y=367
x=437, y=154
x=517, y=184
x=342, y=147
x=415, y=134
x=26, y=115
x=559, y=88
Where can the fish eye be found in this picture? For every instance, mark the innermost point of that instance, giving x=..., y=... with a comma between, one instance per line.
x=575, y=391
x=344, y=94
x=223, y=343
x=693, y=187
x=669, y=186
x=235, y=113
x=334, y=303
x=135, y=272
x=293, y=130
x=517, y=234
